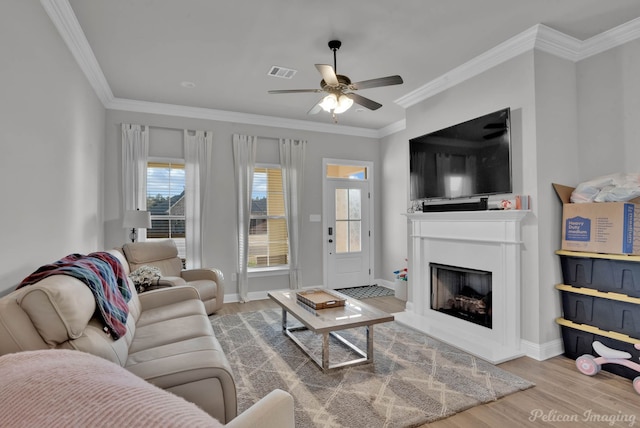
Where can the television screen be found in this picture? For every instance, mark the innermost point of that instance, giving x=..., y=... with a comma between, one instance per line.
x=465, y=160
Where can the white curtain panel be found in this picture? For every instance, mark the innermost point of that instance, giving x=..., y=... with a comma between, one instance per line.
x=292, y=154
x=135, y=152
x=244, y=156
x=198, y=165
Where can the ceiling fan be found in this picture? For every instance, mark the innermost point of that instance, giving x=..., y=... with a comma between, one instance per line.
x=340, y=89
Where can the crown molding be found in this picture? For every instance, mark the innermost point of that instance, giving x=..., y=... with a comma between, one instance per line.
x=557, y=43
x=392, y=128
x=617, y=36
x=65, y=21
x=538, y=37
x=235, y=117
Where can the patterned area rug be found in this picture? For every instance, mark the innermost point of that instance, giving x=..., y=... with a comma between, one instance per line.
x=366, y=291
x=414, y=379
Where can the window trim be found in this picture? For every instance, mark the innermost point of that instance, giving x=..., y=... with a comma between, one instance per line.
x=169, y=217
x=269, y=270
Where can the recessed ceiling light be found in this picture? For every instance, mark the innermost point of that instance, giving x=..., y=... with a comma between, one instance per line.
x=187, y=84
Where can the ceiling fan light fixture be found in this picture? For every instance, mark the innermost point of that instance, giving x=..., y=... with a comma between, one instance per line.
x=344, y=104
x=329, y=102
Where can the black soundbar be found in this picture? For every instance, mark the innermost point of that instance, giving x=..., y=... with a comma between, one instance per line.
x=481, y=205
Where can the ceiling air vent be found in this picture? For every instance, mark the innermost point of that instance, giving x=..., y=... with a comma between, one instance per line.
x=285, y=73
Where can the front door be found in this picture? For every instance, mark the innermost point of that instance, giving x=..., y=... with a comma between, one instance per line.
x=347, y=229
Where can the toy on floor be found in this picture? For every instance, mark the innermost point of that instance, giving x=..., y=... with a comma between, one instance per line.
x=590, y=365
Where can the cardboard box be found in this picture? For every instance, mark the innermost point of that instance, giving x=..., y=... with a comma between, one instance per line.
x=599, y=227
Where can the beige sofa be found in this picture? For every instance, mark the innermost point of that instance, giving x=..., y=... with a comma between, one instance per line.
x=169, y=339
x=164, y=256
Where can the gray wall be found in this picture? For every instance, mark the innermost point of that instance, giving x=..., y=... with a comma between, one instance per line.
x=609, y=112
x=52, y=142
x=221, y=247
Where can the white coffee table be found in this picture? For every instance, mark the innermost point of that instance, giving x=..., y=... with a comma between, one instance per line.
x=327, y=322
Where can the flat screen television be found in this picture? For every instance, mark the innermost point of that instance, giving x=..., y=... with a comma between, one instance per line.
x=469, y=159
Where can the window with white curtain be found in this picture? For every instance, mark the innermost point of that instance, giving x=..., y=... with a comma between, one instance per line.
x=165, y=202
x=268, y=238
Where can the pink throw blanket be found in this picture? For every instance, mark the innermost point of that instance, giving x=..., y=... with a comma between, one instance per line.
x=63, y=388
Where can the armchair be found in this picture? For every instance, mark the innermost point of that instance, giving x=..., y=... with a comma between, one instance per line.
x=164, y=255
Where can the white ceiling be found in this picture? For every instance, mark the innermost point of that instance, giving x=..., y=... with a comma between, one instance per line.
x=146, y=48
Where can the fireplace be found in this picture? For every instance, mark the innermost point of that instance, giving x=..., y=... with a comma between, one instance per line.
x=478, y=254
x=462, y=293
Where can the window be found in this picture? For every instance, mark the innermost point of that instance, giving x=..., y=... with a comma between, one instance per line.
x=165, y=202
x=268, y=239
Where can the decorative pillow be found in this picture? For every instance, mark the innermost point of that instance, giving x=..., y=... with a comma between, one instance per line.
x=144, y=277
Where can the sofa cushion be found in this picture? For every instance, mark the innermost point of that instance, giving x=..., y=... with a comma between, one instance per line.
x=169, y=331
x=171, y=311
x=144, y=252
x=160, y=254
x=59, y=307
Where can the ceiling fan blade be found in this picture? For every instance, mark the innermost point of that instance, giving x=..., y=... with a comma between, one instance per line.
x=293, y=91
x=328, y=74
x=364, y=102
x=316, y=108
x=375, y=83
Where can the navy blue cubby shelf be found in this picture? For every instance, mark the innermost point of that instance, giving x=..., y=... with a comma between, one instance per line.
x=578, y=338
x=603, y=272
x=606, y=311
x=600, y=302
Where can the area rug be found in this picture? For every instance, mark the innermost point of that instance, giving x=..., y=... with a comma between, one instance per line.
x=414, y=379
x=366, y=291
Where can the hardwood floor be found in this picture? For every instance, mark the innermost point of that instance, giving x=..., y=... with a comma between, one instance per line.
x=562, y=397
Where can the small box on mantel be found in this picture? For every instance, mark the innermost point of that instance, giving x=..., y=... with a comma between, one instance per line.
x=599, y=227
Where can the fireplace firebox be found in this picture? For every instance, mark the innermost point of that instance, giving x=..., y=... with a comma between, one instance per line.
x=462, y=293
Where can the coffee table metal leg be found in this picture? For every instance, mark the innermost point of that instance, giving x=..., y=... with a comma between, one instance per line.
x=369, y=342
x=325, y=351
x=284, y=320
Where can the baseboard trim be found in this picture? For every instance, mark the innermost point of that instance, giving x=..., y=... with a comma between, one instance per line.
x=542, y=351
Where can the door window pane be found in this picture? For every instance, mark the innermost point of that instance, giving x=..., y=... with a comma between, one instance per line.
x=352, y=172
x=355, y=204
x=348, y=236
x=342, y=236
x=342, y=204
x=355, y=241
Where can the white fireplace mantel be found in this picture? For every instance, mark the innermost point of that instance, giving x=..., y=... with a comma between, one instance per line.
x=483, y=240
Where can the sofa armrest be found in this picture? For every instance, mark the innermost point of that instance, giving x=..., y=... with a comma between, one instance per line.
x=165, y=296
x=209, y=273
x=170, y=281
x=204, y=273
x=275, y=410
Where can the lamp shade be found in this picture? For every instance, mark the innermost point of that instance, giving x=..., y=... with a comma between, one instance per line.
x=137, y=219
x=344, y=103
